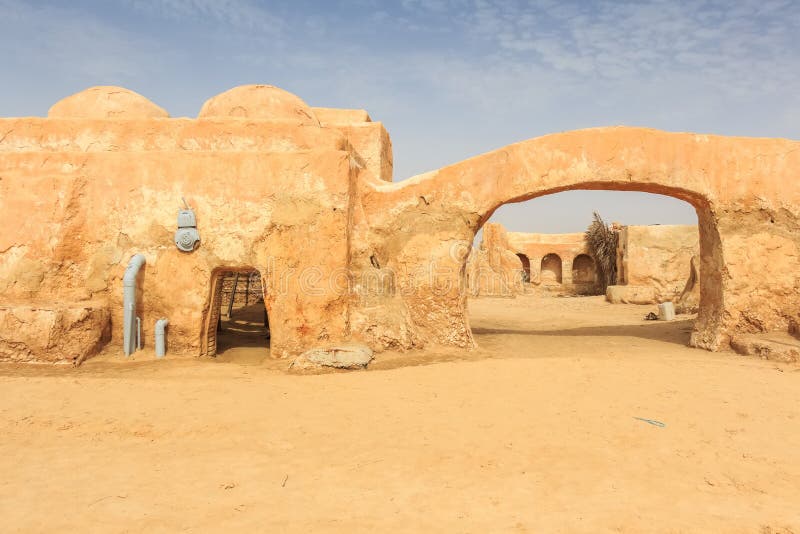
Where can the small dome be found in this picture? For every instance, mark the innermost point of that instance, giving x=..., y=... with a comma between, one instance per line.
x=106, y=102
x=258, y=102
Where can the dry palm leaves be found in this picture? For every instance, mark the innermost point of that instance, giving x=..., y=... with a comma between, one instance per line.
x=602, y=243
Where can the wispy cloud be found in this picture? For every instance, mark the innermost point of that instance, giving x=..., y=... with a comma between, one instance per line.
x=234, y=13
x=66, y=43
x=745, y=46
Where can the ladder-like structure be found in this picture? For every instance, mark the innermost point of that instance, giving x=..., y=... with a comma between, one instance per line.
x=236, y=288
x=240, y=289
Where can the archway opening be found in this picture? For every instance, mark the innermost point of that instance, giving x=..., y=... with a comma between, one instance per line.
x=584, y=274
x=551, y=270
x=654, y=246
x=526, y=267
x=237, y=322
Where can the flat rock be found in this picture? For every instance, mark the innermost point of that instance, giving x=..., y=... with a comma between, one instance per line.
x=339, y=357
x=775, y=346
x=631, y=295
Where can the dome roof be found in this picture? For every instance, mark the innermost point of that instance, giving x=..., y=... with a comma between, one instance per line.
x=106, y=102
x=259, y=102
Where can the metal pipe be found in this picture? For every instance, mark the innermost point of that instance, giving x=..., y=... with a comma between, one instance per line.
x=161, y=337
x=130, y=341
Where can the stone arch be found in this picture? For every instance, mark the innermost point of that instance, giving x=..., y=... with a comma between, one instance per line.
x=734, y=190
x=551, y=269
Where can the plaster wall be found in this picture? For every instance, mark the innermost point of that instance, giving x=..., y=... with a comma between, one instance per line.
x=346, y=255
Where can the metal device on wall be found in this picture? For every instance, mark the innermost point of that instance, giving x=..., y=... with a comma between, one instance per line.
x=187, y=238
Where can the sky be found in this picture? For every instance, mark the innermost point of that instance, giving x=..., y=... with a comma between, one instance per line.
x=449, y=79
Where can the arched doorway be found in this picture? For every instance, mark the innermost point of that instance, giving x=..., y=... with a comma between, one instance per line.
x=708, y=328
x=584, y=273
x=236, y=326
x=662, y=238
x=581, y=272
x=550, y=273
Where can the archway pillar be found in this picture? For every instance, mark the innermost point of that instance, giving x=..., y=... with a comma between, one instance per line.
x=759, y=283
x=566, y=271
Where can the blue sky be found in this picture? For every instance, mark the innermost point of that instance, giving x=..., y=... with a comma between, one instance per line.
x=449, y=78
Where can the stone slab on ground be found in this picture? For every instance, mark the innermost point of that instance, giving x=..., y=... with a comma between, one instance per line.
x=631, y=295
x=775, y=346
x=350, y=356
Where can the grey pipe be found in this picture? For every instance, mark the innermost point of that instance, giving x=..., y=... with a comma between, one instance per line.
x=131, y=337
x=161, y=337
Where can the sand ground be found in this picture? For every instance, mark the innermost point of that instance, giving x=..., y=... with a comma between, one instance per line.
x=536, y=431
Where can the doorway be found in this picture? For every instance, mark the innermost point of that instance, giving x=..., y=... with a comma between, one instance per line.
x=237, y=325
x=526, y=267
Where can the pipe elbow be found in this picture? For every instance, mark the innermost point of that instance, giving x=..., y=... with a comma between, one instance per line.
x=134, y=265
x=161, y=326
x=161, y=337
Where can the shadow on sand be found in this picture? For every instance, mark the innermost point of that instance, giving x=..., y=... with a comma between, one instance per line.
x=674, y=332
x=668, y=332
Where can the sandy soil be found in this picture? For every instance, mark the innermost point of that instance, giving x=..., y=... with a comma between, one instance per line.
x=540, y=430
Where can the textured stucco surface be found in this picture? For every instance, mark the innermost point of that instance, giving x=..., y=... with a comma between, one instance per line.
x=657, y=256
x=346, y=255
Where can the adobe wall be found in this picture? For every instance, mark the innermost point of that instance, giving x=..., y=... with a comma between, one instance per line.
x=657, y=256
x=566, y=246
x=493, y=269
x=346, y=255
x=369, y=141
x=80, y=195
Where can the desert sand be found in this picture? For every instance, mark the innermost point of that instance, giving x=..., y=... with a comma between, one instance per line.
x=550, y=426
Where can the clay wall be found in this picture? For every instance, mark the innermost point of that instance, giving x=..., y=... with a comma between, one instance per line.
x=79, y=197
x=345, y=254
x=657, y=256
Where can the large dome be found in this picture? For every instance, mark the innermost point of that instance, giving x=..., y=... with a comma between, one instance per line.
x=106, y=102
x=259, y=102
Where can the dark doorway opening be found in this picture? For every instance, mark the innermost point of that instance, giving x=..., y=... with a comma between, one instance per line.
x=584, y=274
x=238, y=324
x=526, y=267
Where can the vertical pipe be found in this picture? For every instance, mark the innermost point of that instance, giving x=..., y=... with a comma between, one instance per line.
x=161, y=337
x=130, y=341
